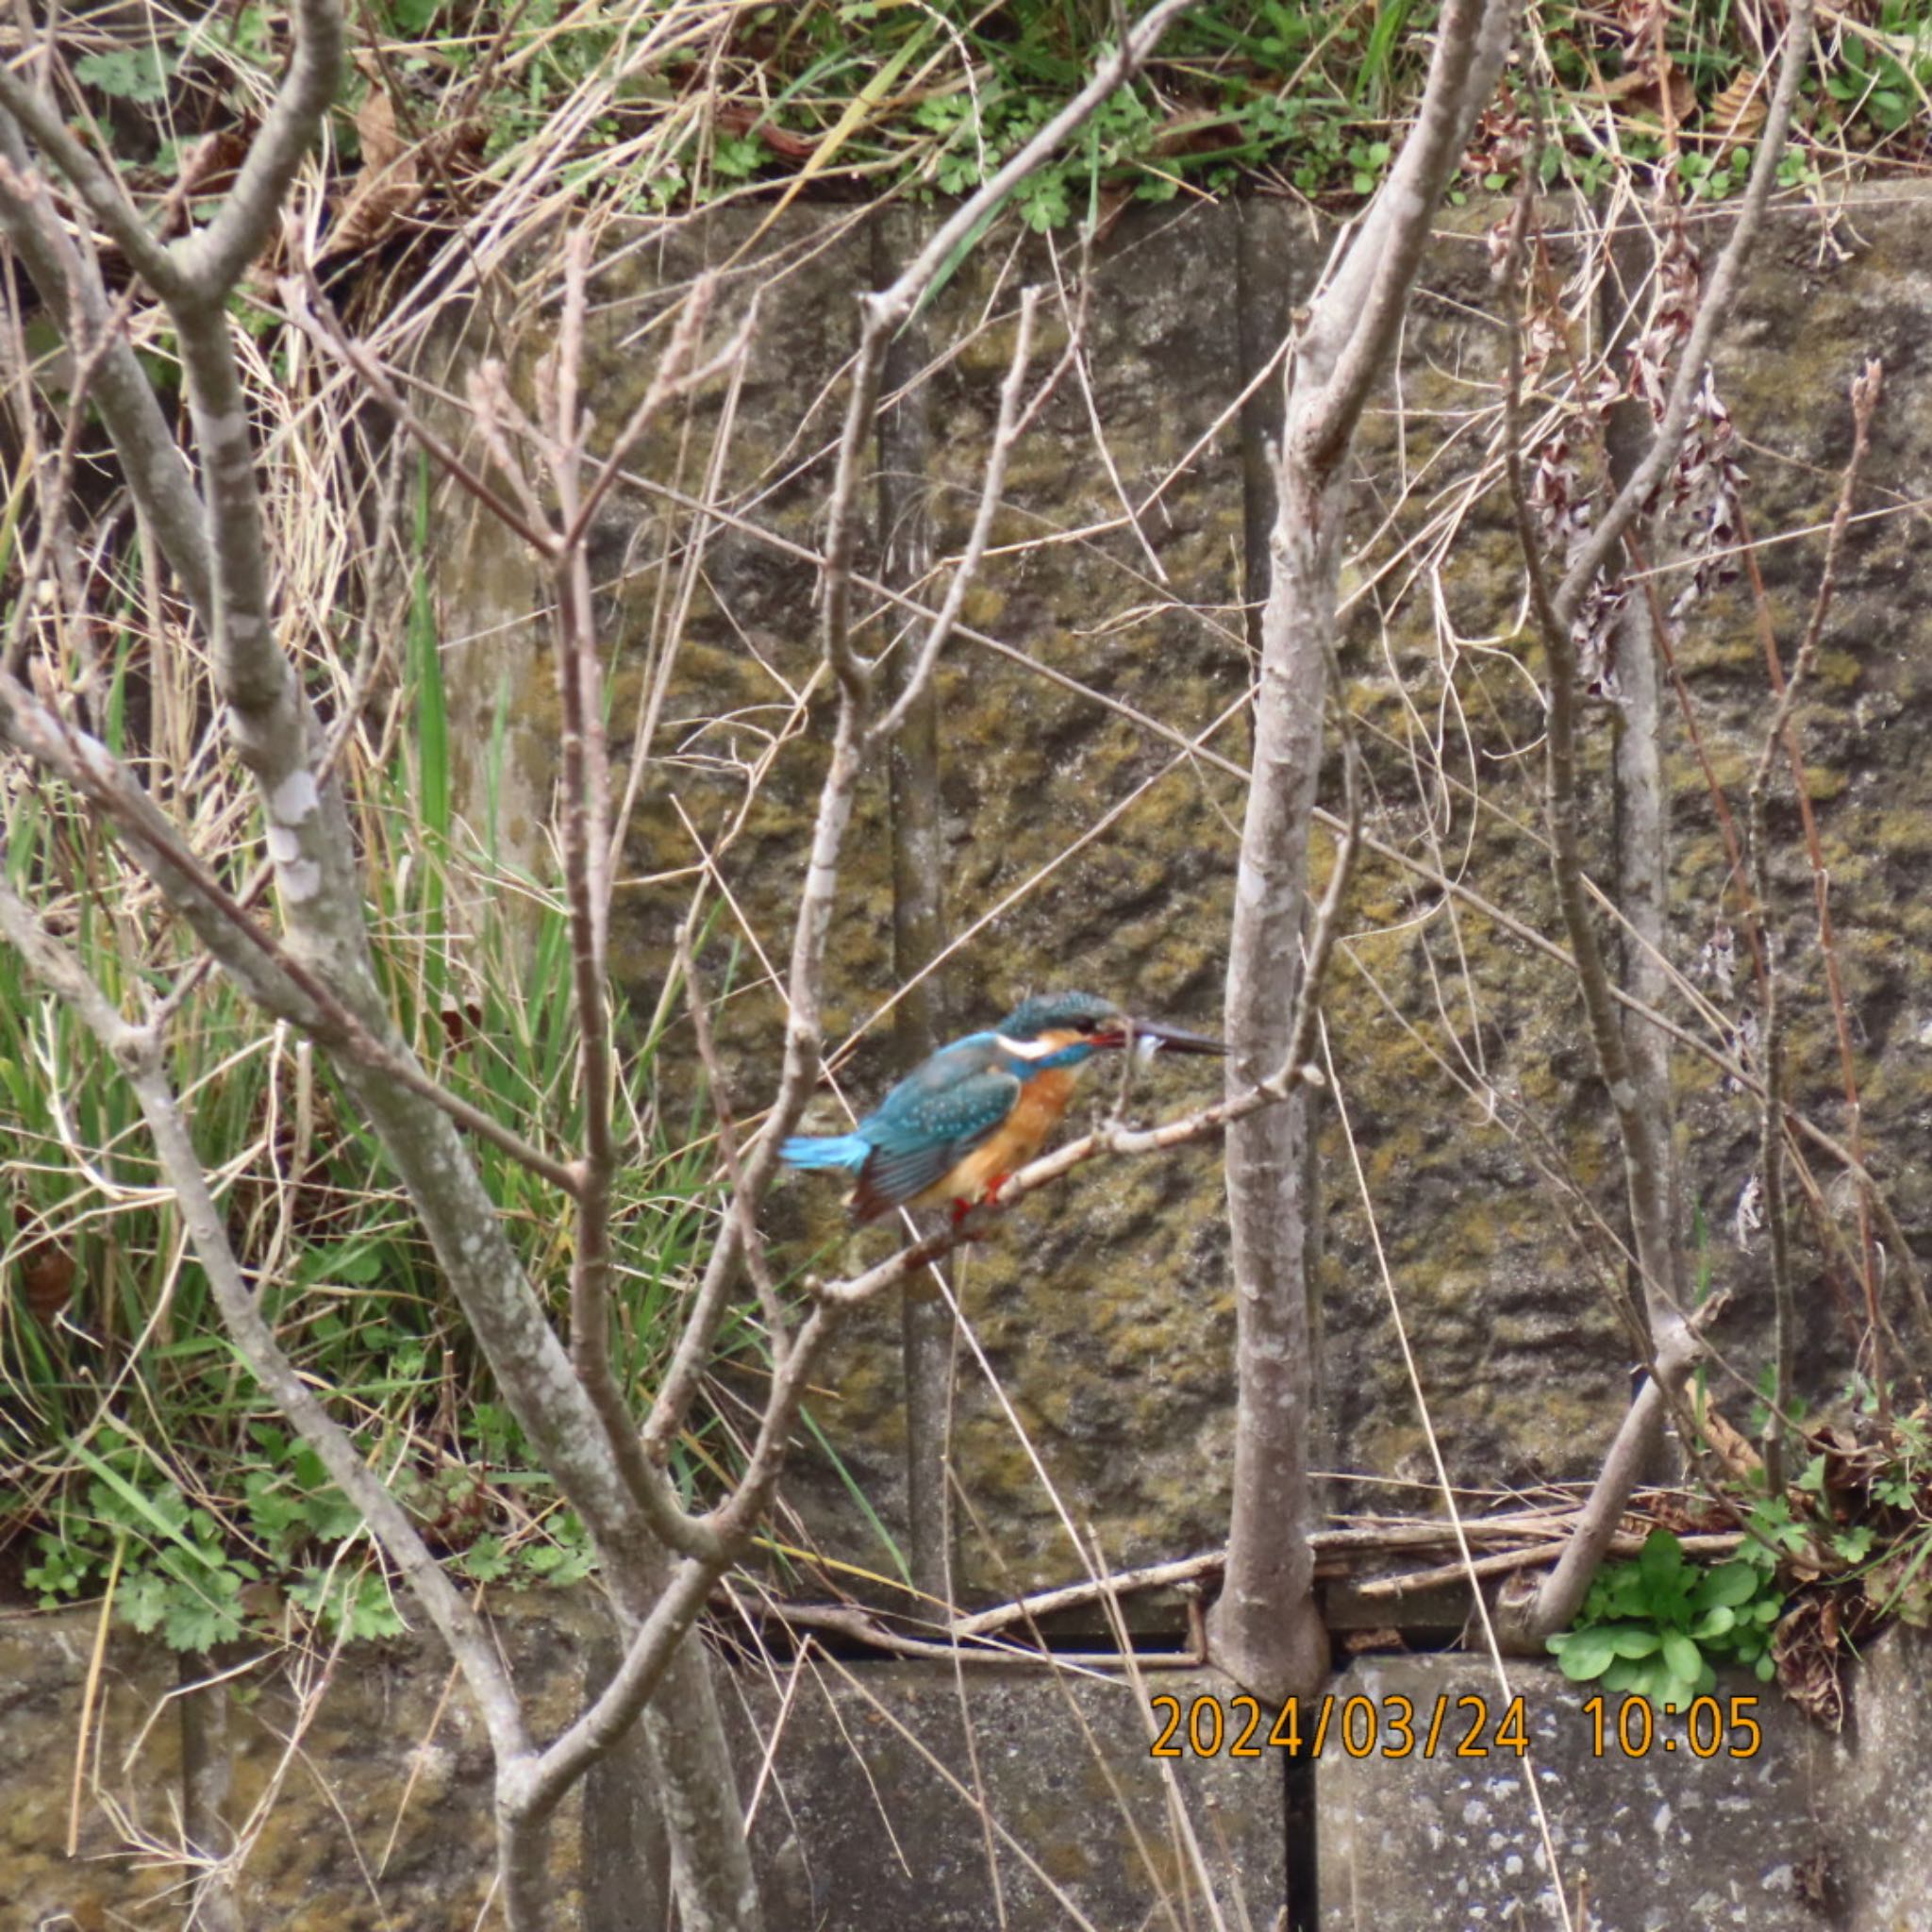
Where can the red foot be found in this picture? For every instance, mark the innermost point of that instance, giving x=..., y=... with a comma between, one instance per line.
x=962, y=1208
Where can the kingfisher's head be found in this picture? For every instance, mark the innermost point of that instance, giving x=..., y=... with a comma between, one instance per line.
x=1065, y=1018
x=1062, y=1029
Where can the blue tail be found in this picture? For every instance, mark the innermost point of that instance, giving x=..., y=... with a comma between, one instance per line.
x=840, y=1150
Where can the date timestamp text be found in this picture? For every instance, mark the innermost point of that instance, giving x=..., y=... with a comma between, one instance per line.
x=1472, y=1725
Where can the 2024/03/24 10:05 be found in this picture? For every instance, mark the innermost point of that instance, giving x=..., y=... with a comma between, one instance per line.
x=1458, y=1727
x=1362, y=1726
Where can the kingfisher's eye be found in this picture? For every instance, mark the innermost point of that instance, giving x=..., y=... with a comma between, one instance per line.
x=1083, y=1025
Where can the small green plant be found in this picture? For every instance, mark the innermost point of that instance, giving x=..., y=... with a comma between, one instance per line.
x=1706, y=177
x=1658, y=1627
x=1873, y=86
x=139, y=74
x=1368, y=160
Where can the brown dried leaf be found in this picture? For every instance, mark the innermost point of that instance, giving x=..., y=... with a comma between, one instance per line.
x=1739, y=112
x=1740, y=1457
x=1901, y=1586
x=209, y=165
x=747, y=117
x=1806, y=1648
x=46, y=1270
x=1639, y=92
x=47, y=1279
x=376, y=123
x=388, y=186
x=461, y=1022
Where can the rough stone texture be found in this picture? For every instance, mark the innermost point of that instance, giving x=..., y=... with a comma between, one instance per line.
x=43, y=1663
x=1647, y=1842
x=881, y=1806
x=1810, y=1831
x=1103, y=1310
x=870, y=1814
x=360, y=1784
x=1880, y=1871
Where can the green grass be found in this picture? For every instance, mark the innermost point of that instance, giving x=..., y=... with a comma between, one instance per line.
x=874, y=96
x=138, y=1455
x=135, y=1446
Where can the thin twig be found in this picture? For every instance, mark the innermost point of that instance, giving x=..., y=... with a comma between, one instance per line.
x=138, y=1052
x=756, y=1265
x=1713, y=312
x=1866, y=389
x=265, y=969
x=992, y=496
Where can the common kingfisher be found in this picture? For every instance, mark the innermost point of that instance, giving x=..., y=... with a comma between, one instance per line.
x=977, y=1110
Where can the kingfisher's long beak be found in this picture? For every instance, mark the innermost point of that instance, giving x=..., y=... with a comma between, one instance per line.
x=1150, y=1036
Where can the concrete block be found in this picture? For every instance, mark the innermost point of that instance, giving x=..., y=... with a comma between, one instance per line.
x=1649, y=1838
x=901, y=1796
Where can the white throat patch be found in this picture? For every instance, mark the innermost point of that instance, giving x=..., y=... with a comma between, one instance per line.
x=1027, y=1049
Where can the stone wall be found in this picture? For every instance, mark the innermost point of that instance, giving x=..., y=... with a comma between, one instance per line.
x=353, y=1793
x=1083, y=848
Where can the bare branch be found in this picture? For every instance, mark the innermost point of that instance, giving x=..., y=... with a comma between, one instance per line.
x=1265, y=1629
x=674, y=376
x=1559, y=1597
x=276, y=979
x=211, y=261
x=90, y=348
x=993, y=493
x=1641, y=1132
x=138, y=1052
x=1712, y=313
x=1865, y=392
x=585, y=813
x=1368, y=297
x=311, y=311
x=1125, y=60
x=883, y=313
x=1646, y=1155
x=69, y=282
x=100, y=193
x=533, y=1788
x=769, y=1306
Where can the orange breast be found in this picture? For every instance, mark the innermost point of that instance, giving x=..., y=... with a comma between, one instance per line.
x=1040, y=1108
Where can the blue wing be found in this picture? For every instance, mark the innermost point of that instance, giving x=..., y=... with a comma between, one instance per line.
x=931, y=1121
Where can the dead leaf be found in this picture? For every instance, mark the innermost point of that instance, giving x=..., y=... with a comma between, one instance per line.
x=1901, y=1586
x=47, y=1279
x=46, y=1269
x=741, y=117
x=210, y=164
x=1739, y=112
x=1740, y=1458
x=459, y=1022
x=1806, y=1649
x=376, y=123
x=387, y=185
x=1639, y=92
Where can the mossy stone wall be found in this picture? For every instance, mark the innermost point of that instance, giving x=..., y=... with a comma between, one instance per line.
x=1083, y=848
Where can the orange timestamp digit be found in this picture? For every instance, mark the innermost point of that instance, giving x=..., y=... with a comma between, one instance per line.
x=1635, y=1730
x=1359, y=1726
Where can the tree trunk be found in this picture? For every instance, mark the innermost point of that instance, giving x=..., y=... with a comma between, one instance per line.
x=1266, y=1630
x=919, y=930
